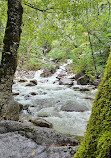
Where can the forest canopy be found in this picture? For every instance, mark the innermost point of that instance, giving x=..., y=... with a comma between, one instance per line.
x=67, y=29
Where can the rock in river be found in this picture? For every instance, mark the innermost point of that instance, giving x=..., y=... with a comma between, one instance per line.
x=70, y=107
x=65, y=81
x=41, y=122
x=34, y=81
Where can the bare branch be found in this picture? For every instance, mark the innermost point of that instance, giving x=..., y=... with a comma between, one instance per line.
x=41, y=10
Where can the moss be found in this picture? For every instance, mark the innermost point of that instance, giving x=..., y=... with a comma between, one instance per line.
x=104, y=145
x=97, y=139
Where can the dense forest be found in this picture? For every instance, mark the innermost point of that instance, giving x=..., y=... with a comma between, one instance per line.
x=36, y=35
x=71, y=30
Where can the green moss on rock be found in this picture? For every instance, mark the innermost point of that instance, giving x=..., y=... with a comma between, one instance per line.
x=97, y=139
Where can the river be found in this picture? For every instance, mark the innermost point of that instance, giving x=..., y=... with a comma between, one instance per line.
x=47, y=98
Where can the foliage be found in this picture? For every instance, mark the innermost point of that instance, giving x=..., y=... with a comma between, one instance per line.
x=63, y=29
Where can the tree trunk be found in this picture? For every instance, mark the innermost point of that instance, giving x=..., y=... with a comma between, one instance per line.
x=9, y=109
x=97, y=139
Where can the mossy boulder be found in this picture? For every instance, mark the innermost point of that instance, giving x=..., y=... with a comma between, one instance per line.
x=97, y=139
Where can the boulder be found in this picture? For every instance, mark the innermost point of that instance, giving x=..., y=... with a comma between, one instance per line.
x=34, y=81
x=15, y=93
x=37, y=134
x=84, y=89
x=79, y=74
x=15, y=145
x=20, y=107
x=33, y=93
x=70, y=107
x=76, y=88
x=22, y=80
x=61, y=75
x=41, y=122
x=65, y=81
x=84, y=80
x=47, y=73
x=30, y=84
x=49, y=112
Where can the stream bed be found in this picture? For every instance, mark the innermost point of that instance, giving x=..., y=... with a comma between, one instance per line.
x=66, y=107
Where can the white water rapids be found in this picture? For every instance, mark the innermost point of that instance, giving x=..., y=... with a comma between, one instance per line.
x=49, y=99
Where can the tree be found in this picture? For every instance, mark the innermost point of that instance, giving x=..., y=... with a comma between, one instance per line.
x=97, y=139
x=9, y=109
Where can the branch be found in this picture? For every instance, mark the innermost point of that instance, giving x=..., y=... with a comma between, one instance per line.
x=41, y=10
x=96, y=36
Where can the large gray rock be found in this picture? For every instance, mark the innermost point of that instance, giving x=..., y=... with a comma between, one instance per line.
x=61, y=75
x=47, y=112
x=79, y=74
x=65, y=81
x=84, y=80
x=41, y=122
x=47, y=72
x=13, y=145
x=70, y=107
x=40, y=135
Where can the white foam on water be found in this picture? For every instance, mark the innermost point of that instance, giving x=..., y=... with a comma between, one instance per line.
x=49, y=100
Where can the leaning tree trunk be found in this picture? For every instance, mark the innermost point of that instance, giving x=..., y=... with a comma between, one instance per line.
x=9, y=109
x=97, y=139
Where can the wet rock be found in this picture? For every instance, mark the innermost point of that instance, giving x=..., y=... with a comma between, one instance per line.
x=40, y=135
x=41, y=122
x=20, y=107
x=11, y=111
x=79, y=74
x=76, y=88
x=27, y=148
x=47, y=112
x=70, y=107
x=30, y=84
x=47, y=73
x=84, y=89
x=16, y=146
x=22, y=80
x=15, y=93
x=84, y=80
x=65, y=81
x=97, y=82
x=61, y=75
x=90, y=98
x=33, y=93
x=34, y=81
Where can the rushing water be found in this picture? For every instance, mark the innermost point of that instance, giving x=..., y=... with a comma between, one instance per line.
x=48, y=100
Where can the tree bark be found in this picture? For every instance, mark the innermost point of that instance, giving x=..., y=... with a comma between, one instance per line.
x=9, y=109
